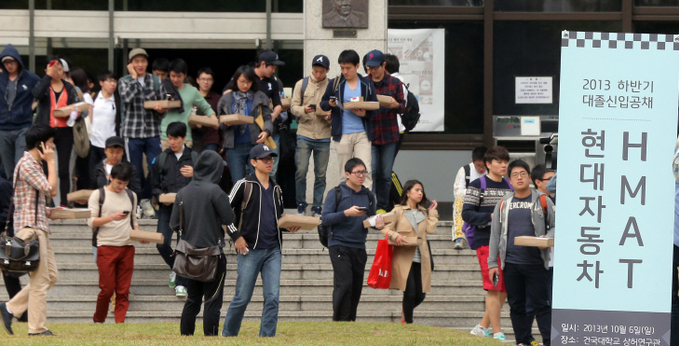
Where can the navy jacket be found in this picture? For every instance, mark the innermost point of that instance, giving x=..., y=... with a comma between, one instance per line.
x=368, y=93
x=347, y=231
x=19, y=115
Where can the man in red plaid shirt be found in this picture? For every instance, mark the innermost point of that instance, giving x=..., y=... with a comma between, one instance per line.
x=384, y=127
x=31, y=186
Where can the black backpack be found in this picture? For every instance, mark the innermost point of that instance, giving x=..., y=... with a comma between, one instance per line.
x=324, y=231
x=411, y=116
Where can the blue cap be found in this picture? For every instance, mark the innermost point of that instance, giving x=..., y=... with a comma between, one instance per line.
x=321, y=60
x=261, y=151
x=375, y=58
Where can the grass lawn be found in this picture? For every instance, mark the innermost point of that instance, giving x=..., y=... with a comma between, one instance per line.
x=289, y=333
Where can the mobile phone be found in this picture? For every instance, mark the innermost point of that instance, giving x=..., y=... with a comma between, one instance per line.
x=126, y=212
x=40, y=148
x=363, y=208
x=496, y=278
x=333, y=98
x=312, y=107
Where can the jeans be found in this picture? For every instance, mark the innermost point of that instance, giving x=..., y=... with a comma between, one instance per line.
x=136, y=147
x=321, y=156
x=63, y=140
x=213, y=293
x=277, y=140
x=165, y=249
x=382, y=165
x=413, y=295
x=528, y=280
x=12, y=147
x=268, y=262
x=238, y=159
x=348, y=265
x=213, y=147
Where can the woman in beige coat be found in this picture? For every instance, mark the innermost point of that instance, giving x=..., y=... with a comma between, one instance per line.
x=411, y=262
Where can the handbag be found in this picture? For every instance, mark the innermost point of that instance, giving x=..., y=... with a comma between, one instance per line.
x=81, y=140
x=380, y=272
x=19, y=256
x=191, y=262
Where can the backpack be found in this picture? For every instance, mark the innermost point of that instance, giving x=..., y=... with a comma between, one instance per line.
x=247, y=194
x=323, y=232
x=467, y=175
x=102, y=198
x=468, y=228
x=411, y=116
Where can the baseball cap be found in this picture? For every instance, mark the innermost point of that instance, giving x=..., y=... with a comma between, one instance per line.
x=115, y=141
x=137, y=51
x=375, y=58
x=270, y=58
x=65, y=65
x=261, y=151
x=321, y=60
x=7, y=57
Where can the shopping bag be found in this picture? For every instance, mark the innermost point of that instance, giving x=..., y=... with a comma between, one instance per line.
x=380, y=272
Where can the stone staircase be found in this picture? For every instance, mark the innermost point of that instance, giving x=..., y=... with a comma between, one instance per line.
x=455, y=301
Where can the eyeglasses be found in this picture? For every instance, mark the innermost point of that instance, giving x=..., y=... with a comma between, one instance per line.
x=266, y=159
x=523, y=174
x=360, y=173
x=205, y=79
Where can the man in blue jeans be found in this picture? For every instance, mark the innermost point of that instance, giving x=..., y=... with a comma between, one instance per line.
x=258, y=204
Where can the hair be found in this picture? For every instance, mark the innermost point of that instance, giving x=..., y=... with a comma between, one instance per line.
x=161, y=64
x=364, y=62
x=179, y=66
x=392, y=65
x=259, y=60
x=191, y=81
x=80, y=79
x=425, y=202
x=121, y=171
x=38, y=133
x=246, y=71
x=496, y=153
x=106, y=76
x=518, y=163
x=205, y=70
x=538, y=173
x=349, y=56
x=51, y=58
x=176, y=129
x=352, y=163
x=478, y=153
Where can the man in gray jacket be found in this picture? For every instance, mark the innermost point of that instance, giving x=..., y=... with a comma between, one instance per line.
x=524, y=212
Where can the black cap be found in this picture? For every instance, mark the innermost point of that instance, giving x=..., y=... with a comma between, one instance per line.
x=375, y=58
x=270, y=58
x=261, y=151
x=321, y=60
x=115, y=141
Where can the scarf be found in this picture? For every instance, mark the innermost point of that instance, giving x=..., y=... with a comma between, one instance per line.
x=240, y=105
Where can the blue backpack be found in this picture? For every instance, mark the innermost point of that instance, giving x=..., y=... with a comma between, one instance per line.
x=468, y=228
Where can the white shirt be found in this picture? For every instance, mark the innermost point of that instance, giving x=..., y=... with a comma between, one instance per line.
x=103, y=120
x=179, y=154
x=108, y=170
x=141, y=80
x=460, y=187
x=401, y=128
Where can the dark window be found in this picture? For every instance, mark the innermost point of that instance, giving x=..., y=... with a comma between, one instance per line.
x=435, y=2
x=656, y=2
x=558, y=5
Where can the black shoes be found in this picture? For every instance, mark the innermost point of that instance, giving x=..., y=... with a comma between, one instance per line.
x=45, y=333
x=6, y=319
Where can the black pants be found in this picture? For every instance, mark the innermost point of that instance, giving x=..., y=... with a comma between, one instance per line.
x=96, y=156
x=348, y=265
x=63, y=140
x=165, y=249
x=525, y=280
x=213, y=293
x=13, y=286
x=413, y=295
x=675, y=299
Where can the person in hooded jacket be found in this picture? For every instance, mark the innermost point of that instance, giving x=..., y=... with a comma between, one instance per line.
x=16, y=115
x=205, y=209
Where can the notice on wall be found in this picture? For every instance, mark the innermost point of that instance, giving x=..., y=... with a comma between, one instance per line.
x=533, y=90
x=614, y=221
x=421, y=53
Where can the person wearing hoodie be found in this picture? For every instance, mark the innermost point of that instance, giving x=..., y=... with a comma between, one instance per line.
x=16, y=115
x=205, y=209
x=258, y=204
x=351, y=129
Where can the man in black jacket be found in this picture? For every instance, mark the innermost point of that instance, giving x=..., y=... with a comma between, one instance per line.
x=170, y=172
x=12, y=283
x=205, y=209
x=115, y=151
x=258, y=204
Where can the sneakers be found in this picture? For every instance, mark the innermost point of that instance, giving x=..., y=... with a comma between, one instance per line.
x=301, y=209
x=45, y=333
x=180, y=292
x=380, y=211
x=147, y=209
x=534, y=343
x=316, y=211
x=478, y=331
x=6, y=319
x=499, y=336
x=489, y=332
x=459, y=243
x=173, y=279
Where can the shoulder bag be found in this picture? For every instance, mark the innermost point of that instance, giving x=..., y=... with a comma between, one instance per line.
x=191, y=262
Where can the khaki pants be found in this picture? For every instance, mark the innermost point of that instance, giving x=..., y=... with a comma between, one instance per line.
x=164, y=144
x=355, y=145
x=33, y=297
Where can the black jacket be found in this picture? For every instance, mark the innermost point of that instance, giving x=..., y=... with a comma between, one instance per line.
x=249, y=229
x=367, y=91
x=100, y=179
x=6, y=192
x=168, y=178
x=42, y=93
x=205, y=206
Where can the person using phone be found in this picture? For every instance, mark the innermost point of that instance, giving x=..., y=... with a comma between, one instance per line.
x=313, y=134
x=110, y=208
x=411, y=264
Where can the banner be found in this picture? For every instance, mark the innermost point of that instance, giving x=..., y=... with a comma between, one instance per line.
x=421, y=52
x=615, y=189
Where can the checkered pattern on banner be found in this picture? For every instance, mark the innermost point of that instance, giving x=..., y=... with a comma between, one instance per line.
x=588, y=39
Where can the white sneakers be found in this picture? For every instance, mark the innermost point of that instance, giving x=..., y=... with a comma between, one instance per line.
x=180, y=292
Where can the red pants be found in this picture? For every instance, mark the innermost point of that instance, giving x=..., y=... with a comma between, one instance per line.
x=116, y=264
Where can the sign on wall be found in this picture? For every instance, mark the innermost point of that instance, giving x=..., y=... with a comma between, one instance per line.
x=533, y=90
x=421, y=53
x=614, y=222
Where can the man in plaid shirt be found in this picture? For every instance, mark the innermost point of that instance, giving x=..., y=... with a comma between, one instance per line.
x=31, y=186
x=384, y=127
x=141, y=127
